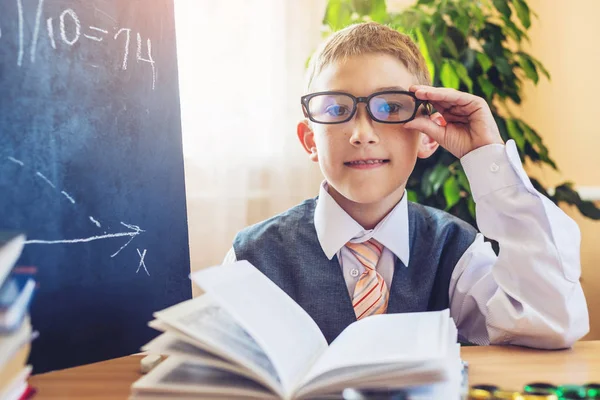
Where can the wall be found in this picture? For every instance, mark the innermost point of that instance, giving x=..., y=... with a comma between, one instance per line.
x=564, y=38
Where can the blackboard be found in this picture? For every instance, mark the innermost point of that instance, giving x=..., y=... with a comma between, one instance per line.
x=91, y=169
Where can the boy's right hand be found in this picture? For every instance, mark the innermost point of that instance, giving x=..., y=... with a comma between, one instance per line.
x=463, y=123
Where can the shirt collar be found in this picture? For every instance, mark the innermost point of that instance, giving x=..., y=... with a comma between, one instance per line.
x=335, y=227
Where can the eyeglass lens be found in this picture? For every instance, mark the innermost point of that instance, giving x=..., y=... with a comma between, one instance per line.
x=387, y=107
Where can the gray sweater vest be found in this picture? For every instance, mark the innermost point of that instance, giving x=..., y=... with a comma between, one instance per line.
x=286, y=249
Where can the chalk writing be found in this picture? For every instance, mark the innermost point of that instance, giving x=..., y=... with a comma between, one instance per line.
x=36, y=30
x=16, y=161
x=135, y=230
x=63, y=32
x=21, y=44
x=50, y=29
x=71, y=29
x=126, y=52
x=142, y=263
x=68, y=197
x=95, y=222
x=39, y=174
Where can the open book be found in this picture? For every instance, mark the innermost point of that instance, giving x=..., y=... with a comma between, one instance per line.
x=246, y=338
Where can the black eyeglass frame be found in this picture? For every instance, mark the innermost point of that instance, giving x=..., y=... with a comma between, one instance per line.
x=304, y=100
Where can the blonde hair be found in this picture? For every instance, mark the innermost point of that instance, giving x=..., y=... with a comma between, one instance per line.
x=368, y=38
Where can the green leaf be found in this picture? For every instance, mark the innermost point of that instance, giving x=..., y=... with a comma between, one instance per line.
x=412, y=196
x=484, y=61
x=451, y=47
x=539, y=65
x=528, y=67
x=338, y=14
x=536, y=143
x=426, y=186
x=438, y=176
x=462, y=73
x=503, y=66
x=486, y=86
x=463, y=23
x=566, y=193
x=378, y=11
x=502, y=6
x=513, y=30
x=461, y=177
x=451, y=192
x=523, y=12
x=471, y=205
x=449, y=76
x=515, y=133
x=424, y=48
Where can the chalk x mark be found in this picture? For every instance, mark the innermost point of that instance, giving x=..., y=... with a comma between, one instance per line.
x=135, y=230
x=45, y=179
x=16, y=161
x=142, y=263
x=68, y=197
x=95, y=222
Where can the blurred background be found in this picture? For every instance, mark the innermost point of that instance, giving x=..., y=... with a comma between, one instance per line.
x=241, y=71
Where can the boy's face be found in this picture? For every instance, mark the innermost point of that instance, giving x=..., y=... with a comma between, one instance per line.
x=364, y=161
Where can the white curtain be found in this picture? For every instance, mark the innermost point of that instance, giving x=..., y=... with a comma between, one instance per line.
x=241, y=75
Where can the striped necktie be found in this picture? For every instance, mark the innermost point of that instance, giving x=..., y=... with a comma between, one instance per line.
x=371, y=293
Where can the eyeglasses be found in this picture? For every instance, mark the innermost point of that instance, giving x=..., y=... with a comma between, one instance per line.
x=387, y=107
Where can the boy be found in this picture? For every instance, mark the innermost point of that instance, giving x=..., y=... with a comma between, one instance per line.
x=360, y=248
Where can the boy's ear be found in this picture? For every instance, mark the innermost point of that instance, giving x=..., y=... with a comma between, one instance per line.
x=427, y=146
x=307, y=138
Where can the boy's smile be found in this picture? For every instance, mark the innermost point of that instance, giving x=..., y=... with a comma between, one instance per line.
x=366, y=163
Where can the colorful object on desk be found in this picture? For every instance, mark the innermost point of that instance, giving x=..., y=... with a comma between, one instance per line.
x=593, y=390
x=537, y=391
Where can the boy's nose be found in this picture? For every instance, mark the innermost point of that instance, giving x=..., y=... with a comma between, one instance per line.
x=362, y=130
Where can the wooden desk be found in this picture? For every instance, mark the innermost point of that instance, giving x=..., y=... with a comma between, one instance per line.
x=509, y=367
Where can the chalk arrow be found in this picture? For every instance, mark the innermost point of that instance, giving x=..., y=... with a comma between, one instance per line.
x=135, y=230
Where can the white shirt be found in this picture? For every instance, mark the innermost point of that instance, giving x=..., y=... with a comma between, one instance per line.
x=529, y=295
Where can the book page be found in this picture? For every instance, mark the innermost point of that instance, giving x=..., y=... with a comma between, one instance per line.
x=287, y=334
x=206, y=322
x=180, y=376
x=386, y=339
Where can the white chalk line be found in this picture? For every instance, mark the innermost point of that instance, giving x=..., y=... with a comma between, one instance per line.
x=142, y=263
x=36, y=30
x=94, y=38
x=16, y=161
x=98, y=29
x=95, y=222
x=63, y=32
x=149, y=59
x=68, y=197
x=91, y=239
x=20, y=54
x=46, y=179
x=50, y=29
x=126, y=55
x=105, y=14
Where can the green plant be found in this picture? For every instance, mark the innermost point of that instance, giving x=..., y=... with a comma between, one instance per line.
x=473, y=46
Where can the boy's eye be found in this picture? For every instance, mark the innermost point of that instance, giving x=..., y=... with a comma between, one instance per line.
x=389, y=108
x=336, y=110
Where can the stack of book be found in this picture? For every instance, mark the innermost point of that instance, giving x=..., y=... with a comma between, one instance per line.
x=17, y=287
x=246, y=338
